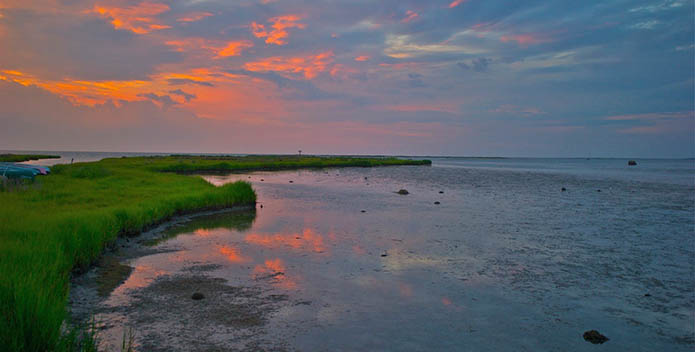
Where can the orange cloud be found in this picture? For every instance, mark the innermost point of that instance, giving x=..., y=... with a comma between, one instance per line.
x=79, y=92
x=362, y=58
x=456, y=3
x=279, y=26
x=218, y=48
x=234, y=48
x=193, y=17
x=309, y=66
x=409, y=16
x=140, y=18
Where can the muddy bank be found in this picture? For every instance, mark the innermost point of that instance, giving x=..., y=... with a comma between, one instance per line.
x=189, y=310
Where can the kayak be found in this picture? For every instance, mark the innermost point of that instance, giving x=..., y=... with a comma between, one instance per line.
x=11, y=171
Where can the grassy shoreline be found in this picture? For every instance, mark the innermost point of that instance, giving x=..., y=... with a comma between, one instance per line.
x=18, y=158
x=65, y=220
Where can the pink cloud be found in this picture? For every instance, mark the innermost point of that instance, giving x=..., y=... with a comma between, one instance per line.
x=309, y=66
x=193, y=17
x=456, y=3
x=277, y=33
x=524, y=39
x=410, y=16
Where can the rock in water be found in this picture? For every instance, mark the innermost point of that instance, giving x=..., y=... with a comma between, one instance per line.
x=595, y=337
x=403, y=191
x=198, y=296
x=632, y=163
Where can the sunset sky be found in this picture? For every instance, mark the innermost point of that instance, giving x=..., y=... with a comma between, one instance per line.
x=463, y=77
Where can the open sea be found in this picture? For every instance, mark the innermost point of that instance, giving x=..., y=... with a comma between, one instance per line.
x=481, y=255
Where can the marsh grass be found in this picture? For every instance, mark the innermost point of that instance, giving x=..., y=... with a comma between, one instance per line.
x=62, y=224
x=18, y=158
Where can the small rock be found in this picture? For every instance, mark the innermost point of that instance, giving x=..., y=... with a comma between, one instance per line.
x=441, y=192
x=291, y=181
x=403, y=192
x=437, y=203
x=363, y=211
x=262, y=180
x=632, y=163
x=198, y=296
x=647, y=295
x=384, y=254
x=564, y=189
x=261, y=206
x=595, y=337
x=365, y=177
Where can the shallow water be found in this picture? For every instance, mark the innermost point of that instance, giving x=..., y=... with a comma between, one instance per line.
x=506, y=261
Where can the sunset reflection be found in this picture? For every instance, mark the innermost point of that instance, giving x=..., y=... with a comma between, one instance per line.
x=308, y=239
x=275, y=270
x=232, y=254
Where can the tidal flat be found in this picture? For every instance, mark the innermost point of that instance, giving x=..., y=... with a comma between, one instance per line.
x=476, y=257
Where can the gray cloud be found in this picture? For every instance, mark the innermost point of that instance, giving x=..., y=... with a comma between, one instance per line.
x=186, y=96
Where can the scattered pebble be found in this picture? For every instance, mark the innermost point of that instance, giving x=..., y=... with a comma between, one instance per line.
x=595, y=337
x=198, y=296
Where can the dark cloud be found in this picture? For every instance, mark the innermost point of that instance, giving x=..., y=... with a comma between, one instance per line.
x=163, y=99
x=182, y=81
x=480, y=64
x=186, y=96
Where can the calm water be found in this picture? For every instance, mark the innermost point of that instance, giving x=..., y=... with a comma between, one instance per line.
x=505, y=262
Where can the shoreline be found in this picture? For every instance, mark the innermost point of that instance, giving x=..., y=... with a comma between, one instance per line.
x=89, y=293
x=61, y=224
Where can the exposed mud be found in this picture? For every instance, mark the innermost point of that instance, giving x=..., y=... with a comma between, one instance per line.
x=162, y=315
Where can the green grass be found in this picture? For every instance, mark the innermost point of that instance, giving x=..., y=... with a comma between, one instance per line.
x=18, y=158
x=63, y=222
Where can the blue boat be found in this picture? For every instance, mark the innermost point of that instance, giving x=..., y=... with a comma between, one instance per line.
x=43, y=170
x=11, y=171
